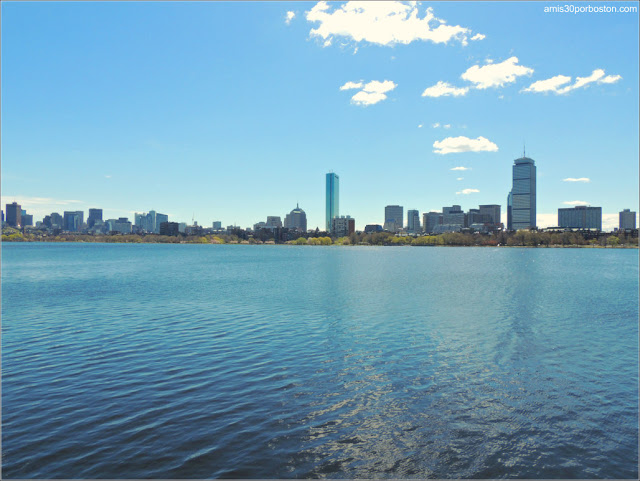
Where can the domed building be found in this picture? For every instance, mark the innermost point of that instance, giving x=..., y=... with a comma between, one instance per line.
x=296, y=219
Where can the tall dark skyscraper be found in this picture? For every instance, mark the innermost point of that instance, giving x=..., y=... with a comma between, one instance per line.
x=94, y=215
x=521, y=202
x=333, y=198
x=14, y=214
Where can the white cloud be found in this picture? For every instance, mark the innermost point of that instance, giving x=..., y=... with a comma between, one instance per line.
x=351, y=85
x=495, y=74
x=542, y=220
x=382, y=23
x=461, y=168
x=420, y=126
x=371, y=93
x=29, y=201
x=558, y=84
x=467, y=191
x=460, y=178
x=610, y=221
x=609, y=79
x=446, y=126
x=41, y=206
x=436, y=125
x=463, y=144
x=580, y=179
x=443, y=89
x=290, y=16
x=551, y=84
x=576, y=202
x=107, y=176
x=478, y=36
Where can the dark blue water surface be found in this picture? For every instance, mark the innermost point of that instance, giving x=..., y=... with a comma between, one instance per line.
x=189, y=361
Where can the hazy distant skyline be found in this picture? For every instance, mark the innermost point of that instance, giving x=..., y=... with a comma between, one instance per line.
x=236, y=111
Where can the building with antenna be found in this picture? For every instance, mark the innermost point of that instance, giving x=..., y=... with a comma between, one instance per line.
x=296, y=220
x=521, y=201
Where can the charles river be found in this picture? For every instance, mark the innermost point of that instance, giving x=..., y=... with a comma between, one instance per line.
x=233, y=361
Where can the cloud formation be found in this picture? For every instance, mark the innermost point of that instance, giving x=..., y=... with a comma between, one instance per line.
x=559, y=84
x=463, y=144
x=382, y=23
x=290, y=16
x=351, y=85
x=579, y=179
x=575, y=202
x=495, y=74
x=478, y=36
x=461, y=168
x=467, y=191
x=444, y=89
x=371, y=93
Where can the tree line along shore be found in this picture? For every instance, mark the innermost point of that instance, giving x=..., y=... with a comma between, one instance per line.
x=513, y=239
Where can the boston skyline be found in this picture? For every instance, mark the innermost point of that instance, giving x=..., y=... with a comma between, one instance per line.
x=242, y=114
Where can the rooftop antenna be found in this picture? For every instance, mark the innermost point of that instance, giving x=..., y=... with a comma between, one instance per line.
x=524, y=149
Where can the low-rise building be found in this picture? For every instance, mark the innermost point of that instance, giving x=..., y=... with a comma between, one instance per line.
x=580, y=217
x=343, y=226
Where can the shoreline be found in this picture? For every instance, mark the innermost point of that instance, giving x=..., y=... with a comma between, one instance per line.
x=293, y=244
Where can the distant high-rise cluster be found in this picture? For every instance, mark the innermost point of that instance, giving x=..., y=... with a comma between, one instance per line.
x=486, y=218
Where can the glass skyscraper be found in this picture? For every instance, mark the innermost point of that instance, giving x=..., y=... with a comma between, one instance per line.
x=333, y=198
x=521, y=203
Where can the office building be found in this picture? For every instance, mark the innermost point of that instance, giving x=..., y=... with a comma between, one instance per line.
x=122, y=225
x=333, y=198
x=393, y=215
x=371, y=228
x=274, y=221
x=580, y=217
x=14, y=214
x=217, y=225
x=169, y=228
x=413, y=221
x=151, y=221
x=94, y=215
x=343, y=226
x=627, y=220
x=73, y=220
x=26, y=219
x=296, y=220
x=53, y=221
x=521, y=203
x=453, y=215
x=491, y=210
x=430, y=220
x=160, y=218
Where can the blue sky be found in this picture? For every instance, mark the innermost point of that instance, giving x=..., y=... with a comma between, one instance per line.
x=234, y=111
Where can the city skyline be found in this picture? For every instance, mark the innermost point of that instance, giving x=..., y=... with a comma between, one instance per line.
x=240, y=110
